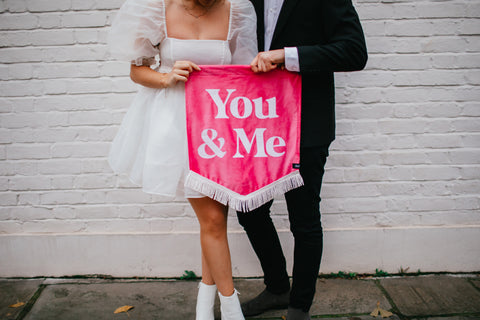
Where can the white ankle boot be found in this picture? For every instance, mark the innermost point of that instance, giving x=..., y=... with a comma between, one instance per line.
x=230, y=307
x=205, y=301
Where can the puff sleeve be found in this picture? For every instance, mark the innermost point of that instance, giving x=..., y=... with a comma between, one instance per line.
x=243, y=32
x=137, y=30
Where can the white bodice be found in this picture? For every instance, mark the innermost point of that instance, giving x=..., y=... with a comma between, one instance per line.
x=209, y=52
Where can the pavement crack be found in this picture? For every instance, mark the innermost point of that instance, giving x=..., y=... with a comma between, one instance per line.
x=394, y=309
x=470, y=280
x=31, y=302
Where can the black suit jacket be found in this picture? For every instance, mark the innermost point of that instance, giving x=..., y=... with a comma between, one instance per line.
x=329, y=38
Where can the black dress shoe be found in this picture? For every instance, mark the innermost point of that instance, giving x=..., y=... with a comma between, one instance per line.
x=297, y=314
x=265, y=301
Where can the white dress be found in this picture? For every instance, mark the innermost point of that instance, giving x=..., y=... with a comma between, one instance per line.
x=151, y=146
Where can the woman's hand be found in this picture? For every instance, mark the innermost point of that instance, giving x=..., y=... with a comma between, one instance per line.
x=180, y=72
x=150, y=78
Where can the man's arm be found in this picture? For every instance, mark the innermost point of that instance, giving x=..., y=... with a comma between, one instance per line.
x=345, y=49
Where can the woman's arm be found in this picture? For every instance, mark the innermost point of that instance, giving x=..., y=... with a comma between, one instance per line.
x=150, y=78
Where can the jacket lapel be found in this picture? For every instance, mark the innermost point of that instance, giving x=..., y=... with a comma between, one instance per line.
x=287, y=9
x=259, y=8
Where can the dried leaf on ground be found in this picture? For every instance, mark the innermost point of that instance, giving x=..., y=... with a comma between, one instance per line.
x=16, y=305
x=382, y=312
x=123, y=309
x=385, y=313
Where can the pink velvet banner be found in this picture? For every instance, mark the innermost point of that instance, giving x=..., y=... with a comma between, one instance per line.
x=243, y=134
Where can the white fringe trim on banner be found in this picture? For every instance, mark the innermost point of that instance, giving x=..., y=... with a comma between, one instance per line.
x=240, y=202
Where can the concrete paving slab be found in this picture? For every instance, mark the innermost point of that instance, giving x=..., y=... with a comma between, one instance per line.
x=394, y=317
x=433, y=295
x=333, y=297
x=450, y=318
x=420, y=298
x=365, y=317
x=340, y=296
x=173, y=300
x=13, y=291
x=476, y=283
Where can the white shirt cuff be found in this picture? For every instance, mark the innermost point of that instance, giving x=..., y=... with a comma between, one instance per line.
x=291, y=59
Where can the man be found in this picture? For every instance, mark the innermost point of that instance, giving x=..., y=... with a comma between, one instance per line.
x=315, y=38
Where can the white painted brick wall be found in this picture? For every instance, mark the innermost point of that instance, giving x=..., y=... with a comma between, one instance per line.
x=407, y=152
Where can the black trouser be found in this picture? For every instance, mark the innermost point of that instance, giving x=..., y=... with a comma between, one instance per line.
x=304, y=213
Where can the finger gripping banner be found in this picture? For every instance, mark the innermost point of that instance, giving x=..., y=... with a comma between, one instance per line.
x=243, y=134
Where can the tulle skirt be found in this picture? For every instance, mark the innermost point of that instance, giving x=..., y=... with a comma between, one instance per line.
x=151, y=144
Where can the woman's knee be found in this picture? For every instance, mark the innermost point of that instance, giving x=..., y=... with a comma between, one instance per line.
x=214, y=224
x=211, y=215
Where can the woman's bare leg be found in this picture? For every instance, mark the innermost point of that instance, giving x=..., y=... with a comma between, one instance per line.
x=212, y=216
x=206, y=275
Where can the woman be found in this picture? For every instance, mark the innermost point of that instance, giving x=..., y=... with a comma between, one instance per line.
x=151, y=144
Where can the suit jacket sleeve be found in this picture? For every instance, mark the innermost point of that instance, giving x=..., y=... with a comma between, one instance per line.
x=343, y=47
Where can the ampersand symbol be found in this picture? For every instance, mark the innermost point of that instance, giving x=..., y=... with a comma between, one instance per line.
x=208, y=136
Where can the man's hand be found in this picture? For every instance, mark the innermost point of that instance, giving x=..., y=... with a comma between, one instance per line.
x=268, y=60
